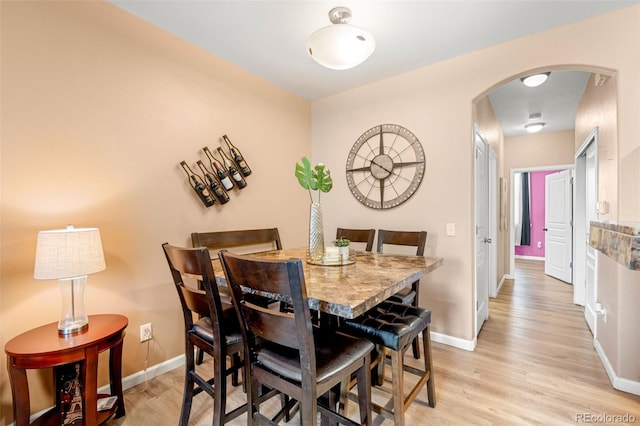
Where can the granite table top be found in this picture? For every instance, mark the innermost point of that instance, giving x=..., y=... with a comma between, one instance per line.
x=350, y=290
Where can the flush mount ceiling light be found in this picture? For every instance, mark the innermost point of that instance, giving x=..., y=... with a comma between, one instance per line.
x=535, y=80
x=534, y=127
x=340, y=46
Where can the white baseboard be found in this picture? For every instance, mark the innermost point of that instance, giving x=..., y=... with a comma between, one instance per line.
x=456, y=342
x=517, y=256
x=132, y=380
x=504, y=277
x=620, y=383
x=142, y=376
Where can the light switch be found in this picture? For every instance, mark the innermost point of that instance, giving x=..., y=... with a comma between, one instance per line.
x=451, y=229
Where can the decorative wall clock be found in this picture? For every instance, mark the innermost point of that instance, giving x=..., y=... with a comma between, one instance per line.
x=385, y=166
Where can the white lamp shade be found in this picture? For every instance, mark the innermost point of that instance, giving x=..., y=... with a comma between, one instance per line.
x=340, y=46
x=68, y=253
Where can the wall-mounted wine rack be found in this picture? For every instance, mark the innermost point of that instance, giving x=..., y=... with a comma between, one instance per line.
x=227, y=170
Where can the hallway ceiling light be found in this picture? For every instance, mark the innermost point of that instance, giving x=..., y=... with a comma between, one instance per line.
x=535, y=80
x=340, y=46
x=534, y=127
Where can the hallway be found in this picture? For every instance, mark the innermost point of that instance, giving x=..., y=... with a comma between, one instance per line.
x=534, y=364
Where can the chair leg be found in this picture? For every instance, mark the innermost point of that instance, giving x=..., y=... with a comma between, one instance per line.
x=236, y=364
x=254, y=406
x=199, y=356
x=428, y=366
x=379, y=374
x=398, y=386
x=308, y=409
x=220, y=395
x=416, y=348
x=187, y=395
x=364, y=392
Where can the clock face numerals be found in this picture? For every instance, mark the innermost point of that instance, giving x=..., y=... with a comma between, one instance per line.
x=385, y=166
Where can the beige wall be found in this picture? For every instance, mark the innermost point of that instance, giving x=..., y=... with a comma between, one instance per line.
x=435, y=103
x=98, y=108
x=539, y=150
x=597, y=108
x=618, y=177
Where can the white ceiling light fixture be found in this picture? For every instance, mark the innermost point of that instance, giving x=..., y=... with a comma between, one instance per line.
x=534, y=127
x=340, y=46
x=535, y=80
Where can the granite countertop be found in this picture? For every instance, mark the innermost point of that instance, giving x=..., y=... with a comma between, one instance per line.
x=620, y=242
x=350, y=290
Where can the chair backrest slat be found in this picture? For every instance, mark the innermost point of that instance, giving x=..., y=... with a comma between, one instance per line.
x=195, y=300
x=249, y=275
x=416, y=239
x=358, y=236
x=229, y=239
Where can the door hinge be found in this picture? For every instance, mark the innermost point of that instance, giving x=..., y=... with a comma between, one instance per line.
x=571, y=265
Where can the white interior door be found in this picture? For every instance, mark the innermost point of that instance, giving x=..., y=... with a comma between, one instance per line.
x=482, y=238
x=591, y=198
x=558, y=227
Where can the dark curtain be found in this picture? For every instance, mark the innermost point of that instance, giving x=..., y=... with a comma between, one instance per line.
x=525, y=240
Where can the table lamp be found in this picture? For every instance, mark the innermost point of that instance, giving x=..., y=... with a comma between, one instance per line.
x=69, y=255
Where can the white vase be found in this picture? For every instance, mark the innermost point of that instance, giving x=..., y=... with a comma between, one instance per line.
x=344, y=252
x=316, y=233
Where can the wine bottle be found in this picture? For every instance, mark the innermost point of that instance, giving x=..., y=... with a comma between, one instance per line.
x=237, y=157
x=198, y=186
x=215, y=186
x=223, y=175
x=233, y=171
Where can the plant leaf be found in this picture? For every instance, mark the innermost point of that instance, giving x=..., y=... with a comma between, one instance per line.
x=305, y=175
x=322, y=175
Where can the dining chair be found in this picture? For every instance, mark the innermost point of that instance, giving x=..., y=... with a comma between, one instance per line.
x=358, y=236
x=251, y=240
x=265, y=239
x=209, y=326
x=285, y=351
x=394, y=326
x=408, y=295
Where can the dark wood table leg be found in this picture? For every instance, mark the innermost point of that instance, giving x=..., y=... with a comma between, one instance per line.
x=20, y=393
x=115, y=376
x=90, y=391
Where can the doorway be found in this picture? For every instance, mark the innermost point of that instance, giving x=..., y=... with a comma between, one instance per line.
x=486, y=221
x=586, y=201
x=513, y=209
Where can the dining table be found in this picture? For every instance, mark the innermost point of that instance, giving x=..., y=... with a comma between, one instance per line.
x=348, y=290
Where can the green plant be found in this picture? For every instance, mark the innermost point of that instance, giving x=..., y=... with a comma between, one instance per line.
x=317, y=178
x=342, y=242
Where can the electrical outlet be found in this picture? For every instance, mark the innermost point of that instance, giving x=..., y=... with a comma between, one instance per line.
x=146, y=332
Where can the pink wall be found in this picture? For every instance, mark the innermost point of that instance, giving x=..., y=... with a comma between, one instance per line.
x=537, y=216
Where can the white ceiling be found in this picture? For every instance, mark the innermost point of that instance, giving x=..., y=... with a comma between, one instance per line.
x=268, y=38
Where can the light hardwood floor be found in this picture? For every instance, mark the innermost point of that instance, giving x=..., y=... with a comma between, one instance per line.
x=534, y=364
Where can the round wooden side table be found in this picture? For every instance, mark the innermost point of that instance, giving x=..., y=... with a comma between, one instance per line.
x=43, y=347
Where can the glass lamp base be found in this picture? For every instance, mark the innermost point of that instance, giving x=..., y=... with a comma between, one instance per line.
x=73, y=318
x=72, y=327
